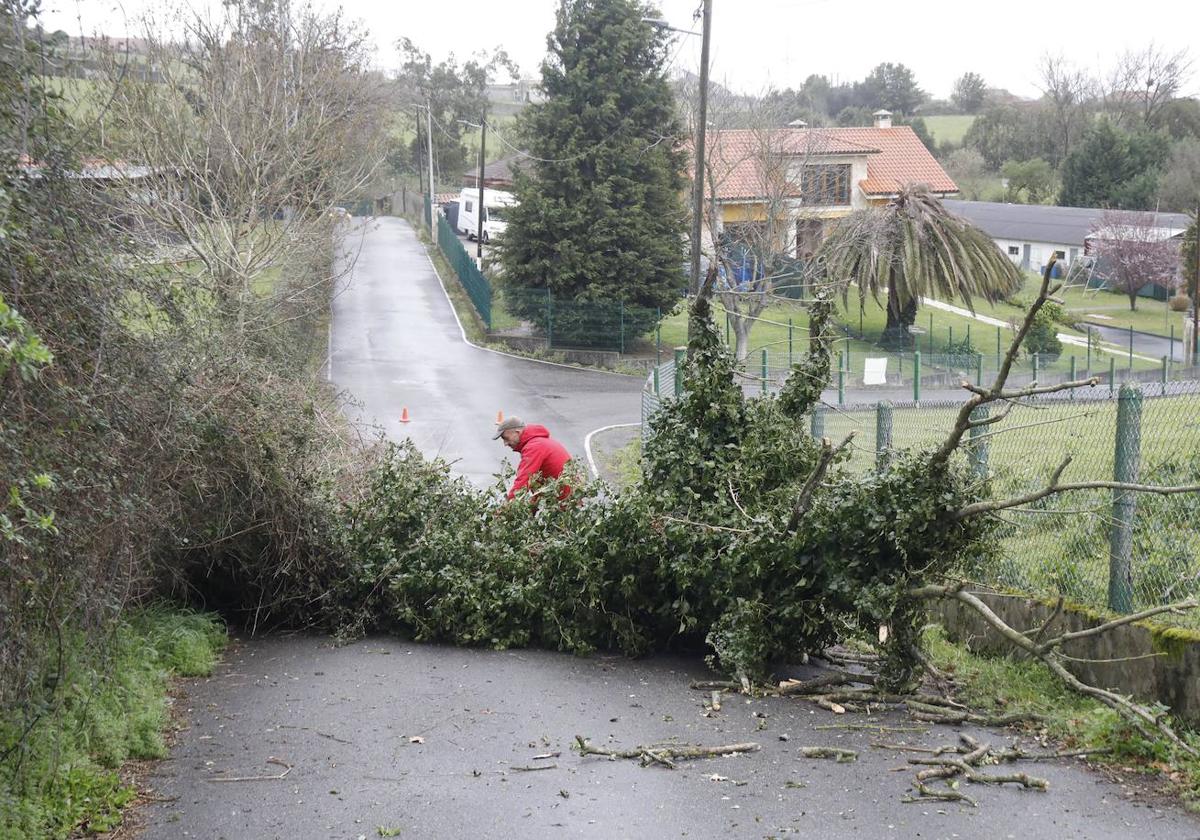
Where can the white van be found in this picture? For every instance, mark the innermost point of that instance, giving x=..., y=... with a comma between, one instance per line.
x=495, y=205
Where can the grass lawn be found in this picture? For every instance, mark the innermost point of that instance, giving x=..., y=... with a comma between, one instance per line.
x=1060, y=545
x=949, y=127
x=935, y=329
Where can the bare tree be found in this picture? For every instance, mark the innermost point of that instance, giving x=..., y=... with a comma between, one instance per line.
x=753, y=154
x=1142, y=82
x=1069, y=93
x=1134, y=251
x=255, y=124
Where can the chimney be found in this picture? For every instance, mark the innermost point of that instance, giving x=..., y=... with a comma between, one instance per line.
x=883, y=119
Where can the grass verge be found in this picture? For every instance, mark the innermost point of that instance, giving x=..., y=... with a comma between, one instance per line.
x=1009, y=685
x=107, y=704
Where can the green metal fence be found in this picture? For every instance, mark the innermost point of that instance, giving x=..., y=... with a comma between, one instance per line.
x=583, y=324
x=1107, y=549
x=477, y=286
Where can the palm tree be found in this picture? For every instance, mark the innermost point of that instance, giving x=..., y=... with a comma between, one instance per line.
x=910, y=248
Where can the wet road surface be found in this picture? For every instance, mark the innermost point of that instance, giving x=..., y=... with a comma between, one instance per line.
x=395, y=344
x=430, y=741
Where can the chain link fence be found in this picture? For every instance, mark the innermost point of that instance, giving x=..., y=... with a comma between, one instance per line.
x=1099, y=547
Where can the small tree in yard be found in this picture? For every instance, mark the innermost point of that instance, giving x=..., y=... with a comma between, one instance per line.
x=1135, y=253
x=601, y=214
x=767, y=161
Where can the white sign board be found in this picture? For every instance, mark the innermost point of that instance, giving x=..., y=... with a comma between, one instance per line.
x=875, y=371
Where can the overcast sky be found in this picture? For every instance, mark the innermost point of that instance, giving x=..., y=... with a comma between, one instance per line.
x=760, y=44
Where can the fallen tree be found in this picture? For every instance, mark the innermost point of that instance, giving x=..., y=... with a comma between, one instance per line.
x=745, y=537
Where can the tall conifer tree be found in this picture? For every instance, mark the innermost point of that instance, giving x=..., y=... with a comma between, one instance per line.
x=601, y=215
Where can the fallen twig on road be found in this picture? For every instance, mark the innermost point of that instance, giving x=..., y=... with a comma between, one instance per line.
x=964, y=764
x=840, y=755
x=287, y=769
x=664, y=754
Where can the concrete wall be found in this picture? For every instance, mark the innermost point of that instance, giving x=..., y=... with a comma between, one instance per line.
x=1152, y=668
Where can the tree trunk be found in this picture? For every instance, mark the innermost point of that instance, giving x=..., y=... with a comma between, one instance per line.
x=741, y=336
x=1133, y=301
x=896, y=334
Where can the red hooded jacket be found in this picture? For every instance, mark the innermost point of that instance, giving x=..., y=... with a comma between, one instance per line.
x=540, y=455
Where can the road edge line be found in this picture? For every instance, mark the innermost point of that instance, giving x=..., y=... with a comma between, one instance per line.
x=587, y=444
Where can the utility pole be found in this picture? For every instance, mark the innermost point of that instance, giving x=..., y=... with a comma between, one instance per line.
x=698, y=180
x=1196, y=296
x=479, y=215
x=429, y=140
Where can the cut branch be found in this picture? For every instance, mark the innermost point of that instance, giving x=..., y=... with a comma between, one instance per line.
x=664, y=754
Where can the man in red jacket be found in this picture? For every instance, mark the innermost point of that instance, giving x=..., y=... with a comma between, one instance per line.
x=542, y=457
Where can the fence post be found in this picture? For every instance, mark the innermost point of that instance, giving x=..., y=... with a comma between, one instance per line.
x=817, y=421
x=999, y=351
x=1074, y=376
x=1112, y=376
x=979, y=369
x=621, y=311
x=977, y=452
x=1088, y=371
x=917, y=376
x=883, y=433
x=727, y=341
x=1126, y=466
x=1171, y=346
x=1035, y=367
x=658, y=337
x=841, y=377
x=764, y=370
x=549, y=320
x=848, y=362
x=949, y=339
x=1166, y=362
x=1131, y=347
x=656, y=389
x=968, y=346
x=680, y=356
x=789, y=343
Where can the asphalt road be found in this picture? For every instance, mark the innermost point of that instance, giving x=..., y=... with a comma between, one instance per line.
x=395, y=344
x=1144, y=344
x=295, y=737
x=431, y=741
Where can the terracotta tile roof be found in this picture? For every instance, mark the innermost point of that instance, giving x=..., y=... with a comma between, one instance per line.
x=895, y=156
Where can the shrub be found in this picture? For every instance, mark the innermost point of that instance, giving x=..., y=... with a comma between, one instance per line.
x=1042, y=338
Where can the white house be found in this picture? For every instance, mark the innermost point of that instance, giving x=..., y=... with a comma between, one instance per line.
x=1030, y=233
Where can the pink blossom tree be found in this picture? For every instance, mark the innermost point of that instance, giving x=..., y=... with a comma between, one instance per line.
x=1134, y=251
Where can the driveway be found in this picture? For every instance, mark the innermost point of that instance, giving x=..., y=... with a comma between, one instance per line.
x=395, y=344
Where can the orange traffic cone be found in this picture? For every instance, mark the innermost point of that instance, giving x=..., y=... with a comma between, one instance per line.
x=499, y=417
x=404, y=415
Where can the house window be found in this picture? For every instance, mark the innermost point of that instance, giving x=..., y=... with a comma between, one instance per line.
x=809, y=233
x=1060, y=255
x=753, y=235
x=826, y=184
x=467, y=207
x=1014, y=250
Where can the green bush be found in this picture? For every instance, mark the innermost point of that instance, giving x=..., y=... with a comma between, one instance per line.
x=1042, y=338
x=99, y=707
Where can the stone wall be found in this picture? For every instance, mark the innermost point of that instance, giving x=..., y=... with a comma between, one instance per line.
x=1149, y=662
